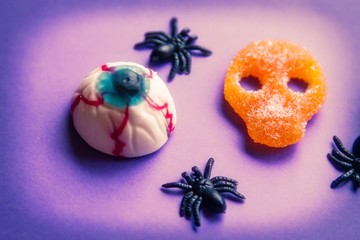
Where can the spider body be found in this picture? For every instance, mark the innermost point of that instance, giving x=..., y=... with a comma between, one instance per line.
x=211, y=197
x=176, y=47
x=199, y=188
x=347, y=161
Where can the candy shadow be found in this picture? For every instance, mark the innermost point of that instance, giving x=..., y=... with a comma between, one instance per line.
x=218, y=217
x=211, y=216
x=96, y=161
x=80, y=149
x=257, y=151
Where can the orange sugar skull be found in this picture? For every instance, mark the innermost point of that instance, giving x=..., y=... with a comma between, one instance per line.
x=274, y=114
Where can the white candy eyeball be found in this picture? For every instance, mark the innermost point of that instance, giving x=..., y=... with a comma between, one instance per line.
x=123, y=109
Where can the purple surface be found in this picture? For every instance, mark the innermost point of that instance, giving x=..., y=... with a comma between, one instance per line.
x=53, y=186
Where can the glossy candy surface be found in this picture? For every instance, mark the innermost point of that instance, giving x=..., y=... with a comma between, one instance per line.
x=123, y=109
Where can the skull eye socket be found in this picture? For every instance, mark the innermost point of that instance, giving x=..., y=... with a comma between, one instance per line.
x=250, y=83
x=297, y=85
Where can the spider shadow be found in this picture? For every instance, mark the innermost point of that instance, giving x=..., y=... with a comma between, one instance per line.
x=180, y=193
x=158, y=65
x=216, y=217
x=209, y=216
x=355, y=187
x=204, y=210
x=258, y=151
x=172, y=192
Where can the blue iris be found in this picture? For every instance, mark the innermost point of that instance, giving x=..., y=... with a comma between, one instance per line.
x=122, y=87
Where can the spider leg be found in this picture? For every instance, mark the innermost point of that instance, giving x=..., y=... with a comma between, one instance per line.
x=188, y=60
x=197, y=211
x=182, y=66
x=189, y=206
x=356, y=147
x=356, y=177
x=197, y=172
x=187, y=177
x=230, y=190
x=345, y=177
x=184, y=202
x=174, y=27
x=177, y=185
x=224, y=184
x=148, y=43
x=221, y=178
x=184, y=33
x=208, y=168
x=191, y=40
x=339, y=162
x=175, y=67
x=341, y=147
x=341, y=156
x=202, y=51
x=159, y=35
x=157, y=39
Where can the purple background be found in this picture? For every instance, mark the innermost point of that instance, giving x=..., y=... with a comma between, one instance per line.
x=53, y=186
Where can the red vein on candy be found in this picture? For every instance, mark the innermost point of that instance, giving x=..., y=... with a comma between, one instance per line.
x=168, y=115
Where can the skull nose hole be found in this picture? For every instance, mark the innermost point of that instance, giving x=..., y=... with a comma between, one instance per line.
x=297, y=85
x=250, y=83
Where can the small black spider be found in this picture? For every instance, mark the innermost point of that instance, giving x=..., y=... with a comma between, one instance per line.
x=200, y=188
x=347, y=161
x=176, y=47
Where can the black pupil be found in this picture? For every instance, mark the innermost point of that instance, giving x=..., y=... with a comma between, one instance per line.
x=127, y=82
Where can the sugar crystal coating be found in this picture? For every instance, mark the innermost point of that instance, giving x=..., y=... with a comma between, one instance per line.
x=275, y=115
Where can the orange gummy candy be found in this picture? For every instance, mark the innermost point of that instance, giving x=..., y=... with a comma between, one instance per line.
x=274, y=114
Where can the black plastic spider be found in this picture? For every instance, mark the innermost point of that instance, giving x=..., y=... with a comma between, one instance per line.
x=200, y=188
x=176, y=47
x=347, y=161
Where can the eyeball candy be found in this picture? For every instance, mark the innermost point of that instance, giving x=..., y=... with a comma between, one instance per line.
x=275, y=115
x=123, y=109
